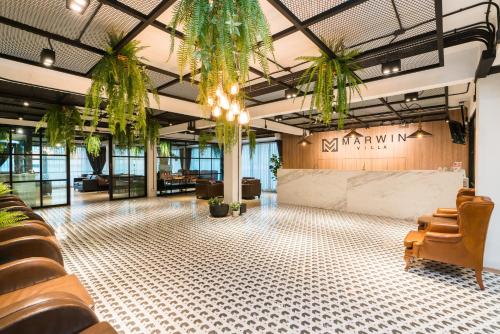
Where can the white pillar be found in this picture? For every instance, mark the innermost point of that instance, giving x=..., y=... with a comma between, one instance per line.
x=488, y=159
x=232, y=173
x=151, y=170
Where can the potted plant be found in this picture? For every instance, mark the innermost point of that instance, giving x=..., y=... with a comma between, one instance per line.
x=217, y=207
x=235, y=209
x=275, y=164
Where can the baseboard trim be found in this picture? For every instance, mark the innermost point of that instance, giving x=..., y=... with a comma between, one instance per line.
x=492, y=270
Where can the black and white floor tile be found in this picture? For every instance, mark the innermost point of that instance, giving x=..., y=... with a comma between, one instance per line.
x=162, y=266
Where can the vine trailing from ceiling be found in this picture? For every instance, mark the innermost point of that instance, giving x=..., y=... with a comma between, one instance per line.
x=62, y=124
x=326, y=74
x=121, y=77
x=221, y=37
x=93, y=144
x=164, y=148
x=204, y=140
x=252, y=142
x=4, y=140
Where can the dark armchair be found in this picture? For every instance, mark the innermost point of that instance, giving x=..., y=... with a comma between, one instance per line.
x=208, y=189
x=250, y=188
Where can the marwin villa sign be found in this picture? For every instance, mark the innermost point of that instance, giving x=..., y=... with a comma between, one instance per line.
x=377, y=142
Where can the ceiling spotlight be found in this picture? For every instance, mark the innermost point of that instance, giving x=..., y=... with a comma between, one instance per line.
x=290, y=93
x=420, y=133
x=191, y=127
x=411, y=97
x=77, y=6
x=278, y=118
x=19, y=131
x=20, y=117
x=26, y=104
x=353, y=134
x=447, y=120
x=391, y=67
x=48, y=57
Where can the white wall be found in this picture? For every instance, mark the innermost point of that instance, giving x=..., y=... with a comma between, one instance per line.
x=488, y=159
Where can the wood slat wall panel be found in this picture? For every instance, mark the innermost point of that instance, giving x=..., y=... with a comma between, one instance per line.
x=396, y=154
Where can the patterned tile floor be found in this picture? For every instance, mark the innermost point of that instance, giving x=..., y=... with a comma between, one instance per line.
x=162, y=266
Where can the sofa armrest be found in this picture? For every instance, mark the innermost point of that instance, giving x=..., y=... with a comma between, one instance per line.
x=52, y=312
x=23, y=229
x=26, y=272
x=447, y=210
x=443, y=237
x=445, y=215
x=30, y=246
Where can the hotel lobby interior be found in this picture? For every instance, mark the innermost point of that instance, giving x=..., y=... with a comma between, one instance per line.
x=249, y=166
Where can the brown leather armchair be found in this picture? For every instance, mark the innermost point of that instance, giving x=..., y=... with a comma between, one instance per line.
x=464, y=248
x=250, y=188
x=6, y=198
x=208, y=189
x=30, y=246
x=9, y=204
x=445, y=219
x=51, y=313
x=25, y=228
x=26, y=272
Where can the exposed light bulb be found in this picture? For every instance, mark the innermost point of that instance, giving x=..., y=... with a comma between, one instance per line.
x=234, y=89
x=216, y=112
x=76, y=7
x=235, y=108
x=219, y=91
x=224, y=102
x=210, y=101
x=26, y=104
x=243, y=118
x=229, y=116
x=20, y=131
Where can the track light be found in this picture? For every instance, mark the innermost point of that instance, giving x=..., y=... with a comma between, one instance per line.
x=391, y=67
x=26, y=104
x=77, y=6
x=411, y=97
x=48, y=57
x=191, y=127
x=291, y=93
x=278, y=118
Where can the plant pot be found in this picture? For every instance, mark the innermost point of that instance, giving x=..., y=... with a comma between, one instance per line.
x=243, y=208
x=218, y=211
x=236, y=213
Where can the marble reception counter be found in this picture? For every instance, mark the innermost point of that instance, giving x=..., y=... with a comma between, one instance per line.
x=396, y=194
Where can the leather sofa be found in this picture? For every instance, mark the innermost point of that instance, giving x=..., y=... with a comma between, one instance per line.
x=30, y=246
x=51, y=313
x=207, y=189
x=250, y=188
x=464, y=247
x=92, y=183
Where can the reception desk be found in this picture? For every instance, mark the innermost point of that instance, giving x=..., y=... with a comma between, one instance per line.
x=397, y=194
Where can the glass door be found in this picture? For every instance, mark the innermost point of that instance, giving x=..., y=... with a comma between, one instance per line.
x=128, y=170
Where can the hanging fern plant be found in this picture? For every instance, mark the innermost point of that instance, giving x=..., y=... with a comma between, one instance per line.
x=164, y=148
x=326, y=73
x=93, y=144
x=252, y=142
x=121, y=77
x=62, y=124
x=221, y=38
x=204, y=140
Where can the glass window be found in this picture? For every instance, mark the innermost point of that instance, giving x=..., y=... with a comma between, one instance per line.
x=258, y=166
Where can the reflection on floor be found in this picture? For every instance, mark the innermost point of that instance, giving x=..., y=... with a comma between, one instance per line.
x=82, y=198
x=162, y=266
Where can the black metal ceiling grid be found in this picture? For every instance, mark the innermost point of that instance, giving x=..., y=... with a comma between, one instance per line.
x=143, y=6
x=51, y=16
x=182, y=89
x=108, y=19
x=158, y=78
x=307, y=9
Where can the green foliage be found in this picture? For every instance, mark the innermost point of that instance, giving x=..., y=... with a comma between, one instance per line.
x=4, y=140
x=204, y=139
x=326, y=73
x=152, y=132
x=4, y=189
x=122, y=78
x=164, y=148
x=235, y=206
x=93, y=144
x=62, y=124
x=214, y=201
x=10, y=218
x=275, y=164
x=221, y=36
x=252, y=142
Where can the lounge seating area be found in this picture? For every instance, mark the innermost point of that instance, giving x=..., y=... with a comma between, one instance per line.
x=90, y=183
x=36, y=292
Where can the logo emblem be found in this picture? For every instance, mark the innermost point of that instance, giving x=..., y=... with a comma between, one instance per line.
x=330, y=145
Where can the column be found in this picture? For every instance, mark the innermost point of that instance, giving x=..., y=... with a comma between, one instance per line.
x=488, y=159
x=151, y=170
x=232, y=173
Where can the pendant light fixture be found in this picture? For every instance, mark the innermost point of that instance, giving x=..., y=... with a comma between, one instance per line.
x=353, y=134
x=420, y=133
x=304, y=141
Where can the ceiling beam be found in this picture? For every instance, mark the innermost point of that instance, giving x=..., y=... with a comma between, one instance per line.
x=296, y=22
x=384, y=102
